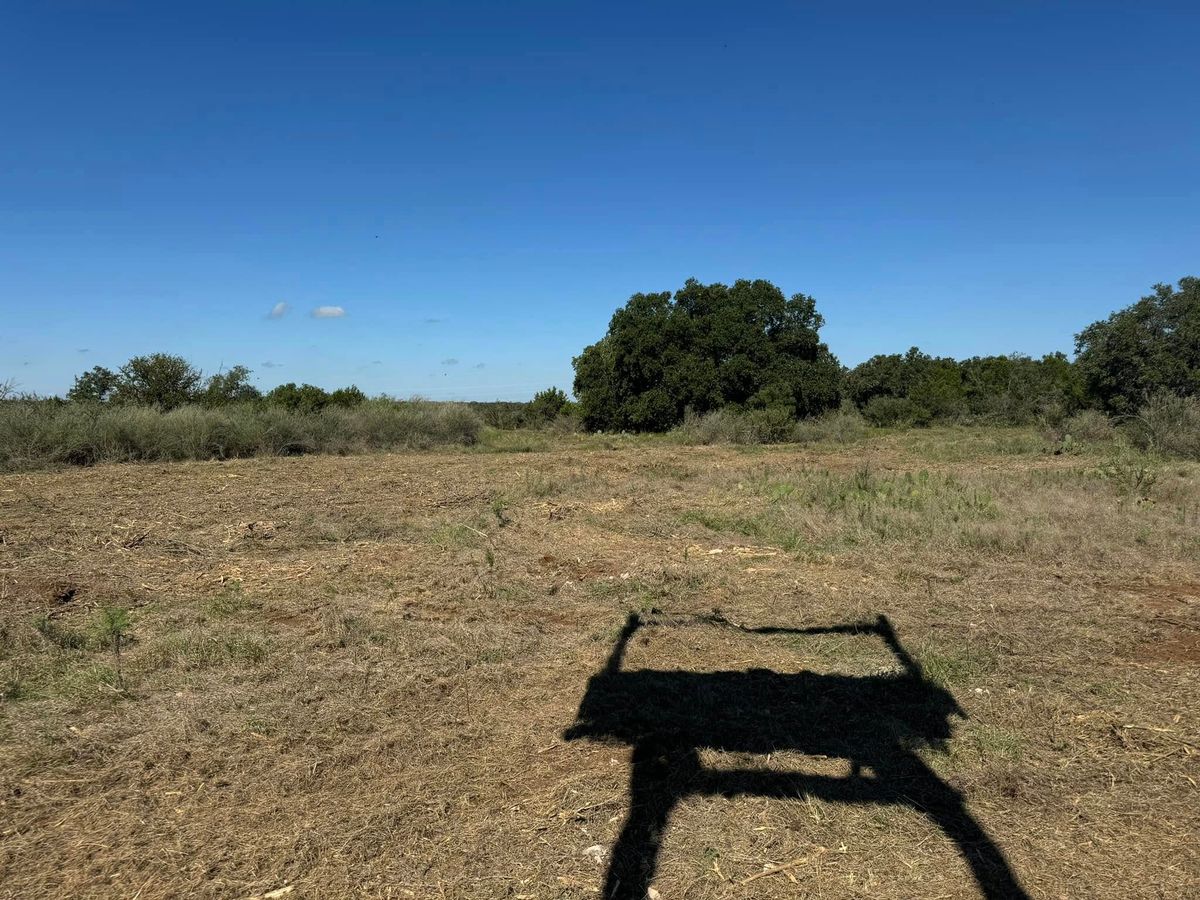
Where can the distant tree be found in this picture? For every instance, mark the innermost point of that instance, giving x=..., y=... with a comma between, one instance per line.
x=158, y=379
x=883, y=375
x=1016, y=389
x=94, y=386
x=708, y=346
x=547, y=405
x=347, y=396
x=931, y=387
x=1150, y=347
x=230, y=386
x=916, y=389
x=302, y=398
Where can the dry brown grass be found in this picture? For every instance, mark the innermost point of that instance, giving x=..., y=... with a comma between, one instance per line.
x=350, y=676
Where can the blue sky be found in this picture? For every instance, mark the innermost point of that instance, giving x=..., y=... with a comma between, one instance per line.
x=479, y=185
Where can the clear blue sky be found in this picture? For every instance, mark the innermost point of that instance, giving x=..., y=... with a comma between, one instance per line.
x=479, y=185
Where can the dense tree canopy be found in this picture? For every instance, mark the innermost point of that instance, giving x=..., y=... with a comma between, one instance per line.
x=158, y=379
x=915, y=388
x=94, y=386
x=547, y=405
x=708, y=346
x=1150, y=347
x=231, y=386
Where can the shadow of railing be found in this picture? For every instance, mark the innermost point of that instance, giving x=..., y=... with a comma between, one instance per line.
x=875, y=722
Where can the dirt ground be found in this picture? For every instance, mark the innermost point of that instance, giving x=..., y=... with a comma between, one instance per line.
x=328, y=677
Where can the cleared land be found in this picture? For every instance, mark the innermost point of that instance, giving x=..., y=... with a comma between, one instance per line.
x=352, y=676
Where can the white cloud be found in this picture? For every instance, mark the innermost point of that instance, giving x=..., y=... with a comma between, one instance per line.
x=271, y=365
x=328, y=312
x=278, y=311
x=450, y=362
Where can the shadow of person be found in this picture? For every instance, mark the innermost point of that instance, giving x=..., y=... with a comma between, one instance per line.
x=875, y=722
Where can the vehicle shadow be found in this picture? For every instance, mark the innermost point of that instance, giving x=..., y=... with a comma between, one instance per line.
x=875, y=722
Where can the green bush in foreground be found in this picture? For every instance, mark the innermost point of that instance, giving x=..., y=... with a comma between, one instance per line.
x=40, y=433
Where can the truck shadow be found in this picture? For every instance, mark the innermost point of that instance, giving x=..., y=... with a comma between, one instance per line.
x=875, y=722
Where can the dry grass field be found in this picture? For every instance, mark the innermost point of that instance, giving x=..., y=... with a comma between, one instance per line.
x=362, y=676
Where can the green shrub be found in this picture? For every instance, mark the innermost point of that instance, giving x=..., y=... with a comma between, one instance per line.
x=298, y=398
x=890, y=412
x=347, y=396
x=547, y=405
x=842, y=426
x=723, y=426
x=772, y=425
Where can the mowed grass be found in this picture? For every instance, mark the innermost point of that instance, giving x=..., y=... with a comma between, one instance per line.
x=351, y=676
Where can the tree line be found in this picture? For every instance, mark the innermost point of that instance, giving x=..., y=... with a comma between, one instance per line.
x=748, y=347
x=166, y=381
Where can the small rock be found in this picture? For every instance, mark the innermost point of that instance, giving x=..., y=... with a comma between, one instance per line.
x=653, y=894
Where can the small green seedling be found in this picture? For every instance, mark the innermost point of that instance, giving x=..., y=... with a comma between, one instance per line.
x=113, y=627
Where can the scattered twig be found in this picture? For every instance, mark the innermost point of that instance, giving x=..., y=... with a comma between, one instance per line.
x=183, y=545
x=135, y=542
x=783, y=867
x=1164, y=732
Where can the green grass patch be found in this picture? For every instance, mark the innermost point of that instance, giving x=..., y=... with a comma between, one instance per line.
x=195, y=650
x=457, y=536
x=231, y=601
x=818, y=511
x=953, y=667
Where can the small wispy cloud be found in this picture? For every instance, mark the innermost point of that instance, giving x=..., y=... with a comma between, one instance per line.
x=84, y=350
x=434, y=321
x=328, y=312
x=271, y=365
x=278, y=311
x=479, y=366
x=377, y=362
x=450, y=362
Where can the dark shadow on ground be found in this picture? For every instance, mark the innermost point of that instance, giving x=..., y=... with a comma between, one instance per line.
x=876, y=722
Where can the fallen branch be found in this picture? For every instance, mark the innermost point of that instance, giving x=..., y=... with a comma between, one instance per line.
x=783, y=867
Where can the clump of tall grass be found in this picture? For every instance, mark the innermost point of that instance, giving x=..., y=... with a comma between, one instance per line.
x=845, y=425
x=40, y=433
x=771, y=426
x=809, y=510
x=1168, y=424
x=1090, y=426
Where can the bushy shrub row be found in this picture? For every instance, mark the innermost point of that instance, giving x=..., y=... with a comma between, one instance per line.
x=1167, y=425
x=38, y=433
